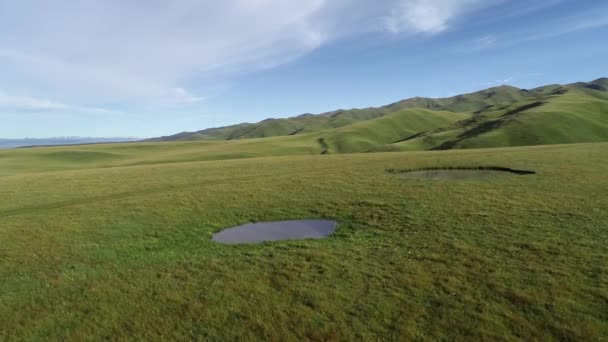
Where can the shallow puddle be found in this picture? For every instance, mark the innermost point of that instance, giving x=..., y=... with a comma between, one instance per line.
x=276, y=231
x=463, y=173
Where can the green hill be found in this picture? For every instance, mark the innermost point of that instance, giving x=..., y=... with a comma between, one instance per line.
x=392, y=128
x=495, y=117
x=307, y=123
x=571, y=114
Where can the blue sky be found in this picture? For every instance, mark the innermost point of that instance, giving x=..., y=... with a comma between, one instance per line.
x=150, y=68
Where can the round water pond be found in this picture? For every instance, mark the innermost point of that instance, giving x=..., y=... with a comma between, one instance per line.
x=276, y=231
x=473, y=173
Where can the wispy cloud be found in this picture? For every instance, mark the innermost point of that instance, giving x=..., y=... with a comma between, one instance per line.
x=565, y=28
x=28, y=103
x=484, y=42
x=499, y=82
x=146, y=51
x=518, y=78
x=181, y=96
x=428, y=16
x=553, y=29
x=13, y=103
x=513, y=9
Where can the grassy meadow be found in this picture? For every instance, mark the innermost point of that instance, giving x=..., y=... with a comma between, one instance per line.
x=113, y=242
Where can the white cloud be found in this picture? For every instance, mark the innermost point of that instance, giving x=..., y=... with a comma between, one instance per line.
x=499, y=82
x=13, y=103
x=28, y=103
x=146, y=49
x=555, y=29
x=154, y=50
x=565, y=27
x=484, y=42
x=428, y=16
x=181, y=95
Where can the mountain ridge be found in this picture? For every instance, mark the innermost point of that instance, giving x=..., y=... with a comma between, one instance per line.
x=498, y=116
x=60, y=141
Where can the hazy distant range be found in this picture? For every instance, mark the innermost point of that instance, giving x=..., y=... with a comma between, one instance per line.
x=9, y=143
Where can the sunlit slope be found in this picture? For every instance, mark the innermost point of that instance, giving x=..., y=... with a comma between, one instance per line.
x=473, y=102
x=403, y=125
x=552, y=114
x=307, y=123
x=572, y=114
x=354, y=138
x=302, y=124
x=572, y=118
x=495, y=117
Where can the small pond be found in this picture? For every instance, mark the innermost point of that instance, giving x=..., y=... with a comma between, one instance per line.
x=276, y=231
x=474, y=173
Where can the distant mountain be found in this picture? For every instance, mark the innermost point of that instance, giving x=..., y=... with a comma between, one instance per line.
x=28, y=142
x=494, y=117
x=308, y=123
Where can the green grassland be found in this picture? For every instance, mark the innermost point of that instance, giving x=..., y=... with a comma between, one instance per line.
x=113, y=241
x=358, y=137
x=496, y=117
x=550, y=115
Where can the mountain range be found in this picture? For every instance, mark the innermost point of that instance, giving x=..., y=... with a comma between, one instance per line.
x=495, y=117
x=31, y=142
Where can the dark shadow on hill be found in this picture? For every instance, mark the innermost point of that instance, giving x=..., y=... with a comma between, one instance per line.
x=297, y=131
x=460, y=173
x=238, y=136
x=324, y=146
x=597, y=87
x=522, y=108
x=414, y=136
x=465, y=168
x=485, y=127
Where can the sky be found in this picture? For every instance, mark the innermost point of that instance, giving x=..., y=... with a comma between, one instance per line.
x=146, y=68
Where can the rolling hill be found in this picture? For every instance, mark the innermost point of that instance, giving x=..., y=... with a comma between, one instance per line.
x=495, y=117
x=30, y=142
